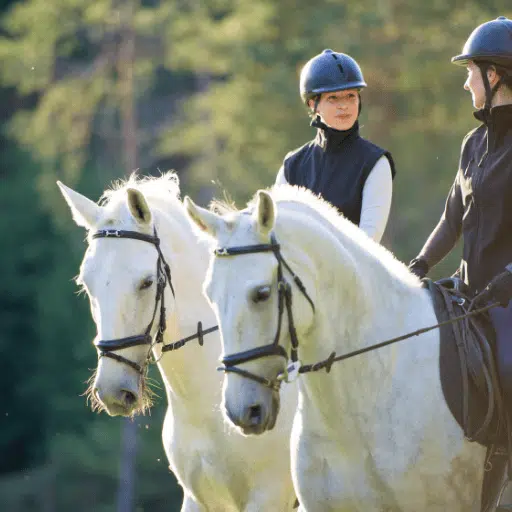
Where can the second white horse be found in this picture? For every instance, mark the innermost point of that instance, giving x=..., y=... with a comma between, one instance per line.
x=375, y=434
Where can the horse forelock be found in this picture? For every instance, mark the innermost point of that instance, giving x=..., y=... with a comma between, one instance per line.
x=161, y=193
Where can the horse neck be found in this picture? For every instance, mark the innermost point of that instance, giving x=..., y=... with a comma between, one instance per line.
x=189, y=372
x=358, y=302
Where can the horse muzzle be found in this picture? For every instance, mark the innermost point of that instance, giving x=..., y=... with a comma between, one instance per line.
x=256, y=418
x=122, y=401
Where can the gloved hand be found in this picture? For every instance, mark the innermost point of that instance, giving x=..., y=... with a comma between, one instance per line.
x=419, y=267
x=498, y=290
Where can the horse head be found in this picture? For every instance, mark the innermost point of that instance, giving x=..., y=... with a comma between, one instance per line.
x=247, y=285
x=124, y=275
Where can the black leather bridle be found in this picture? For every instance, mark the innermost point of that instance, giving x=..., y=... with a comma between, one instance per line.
x=284, y=289
x=107, y=348
x=163, y=273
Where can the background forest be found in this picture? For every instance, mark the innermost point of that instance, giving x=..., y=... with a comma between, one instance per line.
x=91, y=90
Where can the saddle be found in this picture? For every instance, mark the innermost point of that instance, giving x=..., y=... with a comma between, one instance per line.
x=470, y=382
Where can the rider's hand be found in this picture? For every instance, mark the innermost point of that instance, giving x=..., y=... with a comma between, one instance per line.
x=419, y=267
x=498, y=290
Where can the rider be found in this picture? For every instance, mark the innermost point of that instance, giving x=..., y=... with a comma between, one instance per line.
x=479, y=204
x=353, y=174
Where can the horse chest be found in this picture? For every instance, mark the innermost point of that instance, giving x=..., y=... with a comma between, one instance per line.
x=202, y=469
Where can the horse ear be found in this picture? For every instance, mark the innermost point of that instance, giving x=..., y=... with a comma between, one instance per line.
x=264, y=214
x=85, y=212
x=201, y=218
x=138, y=206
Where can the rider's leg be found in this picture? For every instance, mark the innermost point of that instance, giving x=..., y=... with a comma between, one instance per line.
x=502, y=322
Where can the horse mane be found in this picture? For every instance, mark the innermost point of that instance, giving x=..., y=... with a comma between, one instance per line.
x=163, y=187
x=330, y=217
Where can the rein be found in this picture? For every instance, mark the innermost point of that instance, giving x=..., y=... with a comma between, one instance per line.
x=285, y=296
x=327, y=363
x=197, y=336
x=107, y=348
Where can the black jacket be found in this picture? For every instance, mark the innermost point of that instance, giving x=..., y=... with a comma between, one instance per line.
x=335, y=165
x=480, y=201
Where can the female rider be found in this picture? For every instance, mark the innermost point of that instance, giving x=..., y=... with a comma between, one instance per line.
x=347, y=170
x=479, y=204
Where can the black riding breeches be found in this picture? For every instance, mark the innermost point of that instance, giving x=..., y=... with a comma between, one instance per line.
x=502, y=322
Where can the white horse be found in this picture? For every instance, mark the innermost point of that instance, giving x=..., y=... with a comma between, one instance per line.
x=218, y=469
x=374, y=434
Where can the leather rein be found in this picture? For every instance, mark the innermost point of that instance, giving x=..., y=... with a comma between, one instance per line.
x=107, y=348
x=292, y=370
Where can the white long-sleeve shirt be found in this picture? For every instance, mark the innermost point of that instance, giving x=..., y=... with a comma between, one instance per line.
x=377, y=196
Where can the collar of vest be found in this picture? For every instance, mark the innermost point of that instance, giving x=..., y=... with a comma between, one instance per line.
x=328, y=137
x=499, y=117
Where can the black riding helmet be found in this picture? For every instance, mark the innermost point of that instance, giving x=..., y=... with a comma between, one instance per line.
x=329, y=71
x=489, y=44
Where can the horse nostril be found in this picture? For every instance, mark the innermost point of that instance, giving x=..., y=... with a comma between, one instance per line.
x=128, y=398
x=255, y=414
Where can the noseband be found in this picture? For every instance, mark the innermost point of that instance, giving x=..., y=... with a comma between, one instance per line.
x=284, y=289
x=163, y=273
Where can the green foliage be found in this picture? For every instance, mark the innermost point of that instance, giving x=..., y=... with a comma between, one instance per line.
x=77, y=57
x=59, y=454
x=81, y=471
x=238, y=128
x=211, y=85
x=22, y=270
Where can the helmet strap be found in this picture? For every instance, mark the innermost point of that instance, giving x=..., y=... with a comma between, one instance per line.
x=489, y=93
x=317, y=101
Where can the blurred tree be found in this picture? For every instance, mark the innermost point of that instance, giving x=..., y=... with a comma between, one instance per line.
x=27, y=234
x=254, y=51
x=92, y=65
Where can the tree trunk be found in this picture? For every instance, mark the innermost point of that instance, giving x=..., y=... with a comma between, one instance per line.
x=126, y=59
x=125, y=63
x=127, y=473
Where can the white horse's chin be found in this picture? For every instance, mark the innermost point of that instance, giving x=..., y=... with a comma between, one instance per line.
x=118, y=392
x=121, y=406
x=258, y=430
x=118, y=410
x=258, y=417
x=252, y=431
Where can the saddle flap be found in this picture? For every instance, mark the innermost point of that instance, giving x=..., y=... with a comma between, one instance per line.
x=467, y=366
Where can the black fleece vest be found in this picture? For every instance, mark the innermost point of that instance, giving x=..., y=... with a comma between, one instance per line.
x=335, y=166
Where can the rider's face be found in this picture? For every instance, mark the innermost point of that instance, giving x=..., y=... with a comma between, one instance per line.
x=475, y=85
x=339, y=109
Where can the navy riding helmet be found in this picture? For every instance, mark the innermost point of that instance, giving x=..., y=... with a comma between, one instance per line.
x=329, y=71
x=489, y=44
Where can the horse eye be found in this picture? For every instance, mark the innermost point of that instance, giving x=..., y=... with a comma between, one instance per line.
x=146, y=284
x=261, y=294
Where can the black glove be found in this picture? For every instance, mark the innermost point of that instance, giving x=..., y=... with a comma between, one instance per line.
x=419, y=267
x=498, y=290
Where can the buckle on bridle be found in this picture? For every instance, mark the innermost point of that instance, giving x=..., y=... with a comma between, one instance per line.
x=283, y=286
x=290, y=373
x=112, y=232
